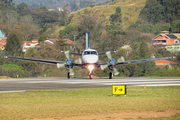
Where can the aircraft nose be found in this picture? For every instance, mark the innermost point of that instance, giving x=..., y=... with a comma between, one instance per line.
x=92, y=59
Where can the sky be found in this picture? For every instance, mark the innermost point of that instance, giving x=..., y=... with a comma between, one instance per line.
x=1, y=34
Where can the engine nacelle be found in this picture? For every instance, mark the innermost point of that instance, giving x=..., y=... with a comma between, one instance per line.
x=69, y=63
x=112, y=64
x=112, y=61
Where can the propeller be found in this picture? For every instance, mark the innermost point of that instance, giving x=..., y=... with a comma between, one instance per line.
x=78, y=61
x=71, y=71
x=111, y=63
x=67, y=63
x=59, y=65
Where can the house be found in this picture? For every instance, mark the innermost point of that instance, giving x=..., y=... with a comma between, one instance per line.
x=164, y=63
x=29, y=44
x=178, y=36
x=164, y=39
x=173, y=48
x=3, y=44
x=69, y=42
x=50, y=9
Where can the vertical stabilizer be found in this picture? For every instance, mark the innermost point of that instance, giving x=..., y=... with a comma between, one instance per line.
x=87, y=40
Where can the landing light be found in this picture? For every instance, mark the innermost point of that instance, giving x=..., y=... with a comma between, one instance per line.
x=91, y=67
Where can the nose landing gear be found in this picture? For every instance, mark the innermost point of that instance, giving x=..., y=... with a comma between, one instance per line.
x=90, y=75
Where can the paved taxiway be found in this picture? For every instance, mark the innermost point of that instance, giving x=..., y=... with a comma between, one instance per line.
x=10, y=85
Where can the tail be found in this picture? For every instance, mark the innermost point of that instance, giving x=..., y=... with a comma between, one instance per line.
x=87, y=40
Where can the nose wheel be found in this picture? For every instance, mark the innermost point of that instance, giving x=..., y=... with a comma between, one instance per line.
x=90, y=76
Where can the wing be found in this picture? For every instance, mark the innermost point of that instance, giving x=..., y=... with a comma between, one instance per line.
x=142, y=60
x=104, y=53
x=75, y=53
x=77, y=64
x=36, y=60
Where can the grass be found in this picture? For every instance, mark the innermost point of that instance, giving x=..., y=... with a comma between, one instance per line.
x=86, y=101
x=130, y=10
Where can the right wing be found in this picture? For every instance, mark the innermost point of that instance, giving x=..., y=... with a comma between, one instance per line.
x=141, y=60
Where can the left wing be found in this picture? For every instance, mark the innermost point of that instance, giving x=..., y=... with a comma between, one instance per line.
x=142, y=60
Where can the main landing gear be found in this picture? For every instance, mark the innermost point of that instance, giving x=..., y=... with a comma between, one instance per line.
x=110, y=75
x=68, y=75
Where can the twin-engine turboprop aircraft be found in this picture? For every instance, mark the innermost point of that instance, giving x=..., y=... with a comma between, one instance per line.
x=90, y=58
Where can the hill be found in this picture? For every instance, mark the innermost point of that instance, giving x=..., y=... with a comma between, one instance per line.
x=130, y=10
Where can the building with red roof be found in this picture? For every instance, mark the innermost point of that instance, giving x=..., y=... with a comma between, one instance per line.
x=3, y=41
x=164, y=63
x=164, y=39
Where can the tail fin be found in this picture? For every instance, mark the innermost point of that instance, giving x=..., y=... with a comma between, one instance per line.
x=87, y=40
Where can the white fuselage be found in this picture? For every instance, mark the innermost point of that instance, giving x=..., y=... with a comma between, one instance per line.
x=90, y=56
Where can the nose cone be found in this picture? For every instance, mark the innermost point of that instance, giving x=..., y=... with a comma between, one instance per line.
x=91, y=59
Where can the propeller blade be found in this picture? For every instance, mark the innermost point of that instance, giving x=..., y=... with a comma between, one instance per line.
x=59, y=65
x=109, y=54
x=103, y=67
x=71, y=71
x=115, y=71
x=78, y=61
x=66, y=54
x=121, y=59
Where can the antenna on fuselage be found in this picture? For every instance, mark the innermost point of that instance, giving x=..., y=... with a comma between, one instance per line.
x=87, y=40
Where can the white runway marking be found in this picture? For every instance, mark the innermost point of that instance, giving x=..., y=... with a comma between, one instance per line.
x=13, y=91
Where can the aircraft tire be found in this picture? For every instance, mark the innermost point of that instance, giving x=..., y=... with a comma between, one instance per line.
x=68, y=75
x=110, y=75
x=90, y=76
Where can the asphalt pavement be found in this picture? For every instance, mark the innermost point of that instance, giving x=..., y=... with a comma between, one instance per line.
x=15, y=85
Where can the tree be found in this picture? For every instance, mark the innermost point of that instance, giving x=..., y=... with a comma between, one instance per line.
x=143, y=50
x=74, y=6
x=28, y=27
x=161, y=11
x=43, y=16
x=175, y=27
x=42, y=38
x=21, y=7
x=13, y=46
x=116, y=17
x=94, y=22
x=153, y=11
x=8, y=2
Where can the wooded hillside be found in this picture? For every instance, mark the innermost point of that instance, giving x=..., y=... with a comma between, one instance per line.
x=111, y=26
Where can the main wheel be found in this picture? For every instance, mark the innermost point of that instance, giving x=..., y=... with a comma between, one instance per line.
x=110, y=75
x=68, y=75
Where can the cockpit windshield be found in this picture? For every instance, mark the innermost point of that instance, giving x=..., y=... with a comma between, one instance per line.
x=93, y=53
x=90, y=53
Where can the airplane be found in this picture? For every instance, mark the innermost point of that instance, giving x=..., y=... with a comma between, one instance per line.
x=90, y=61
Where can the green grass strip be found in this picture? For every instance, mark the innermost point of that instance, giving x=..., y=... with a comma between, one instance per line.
x=86, y=101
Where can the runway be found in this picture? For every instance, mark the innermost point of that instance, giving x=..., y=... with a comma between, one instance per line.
x=19, y=85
